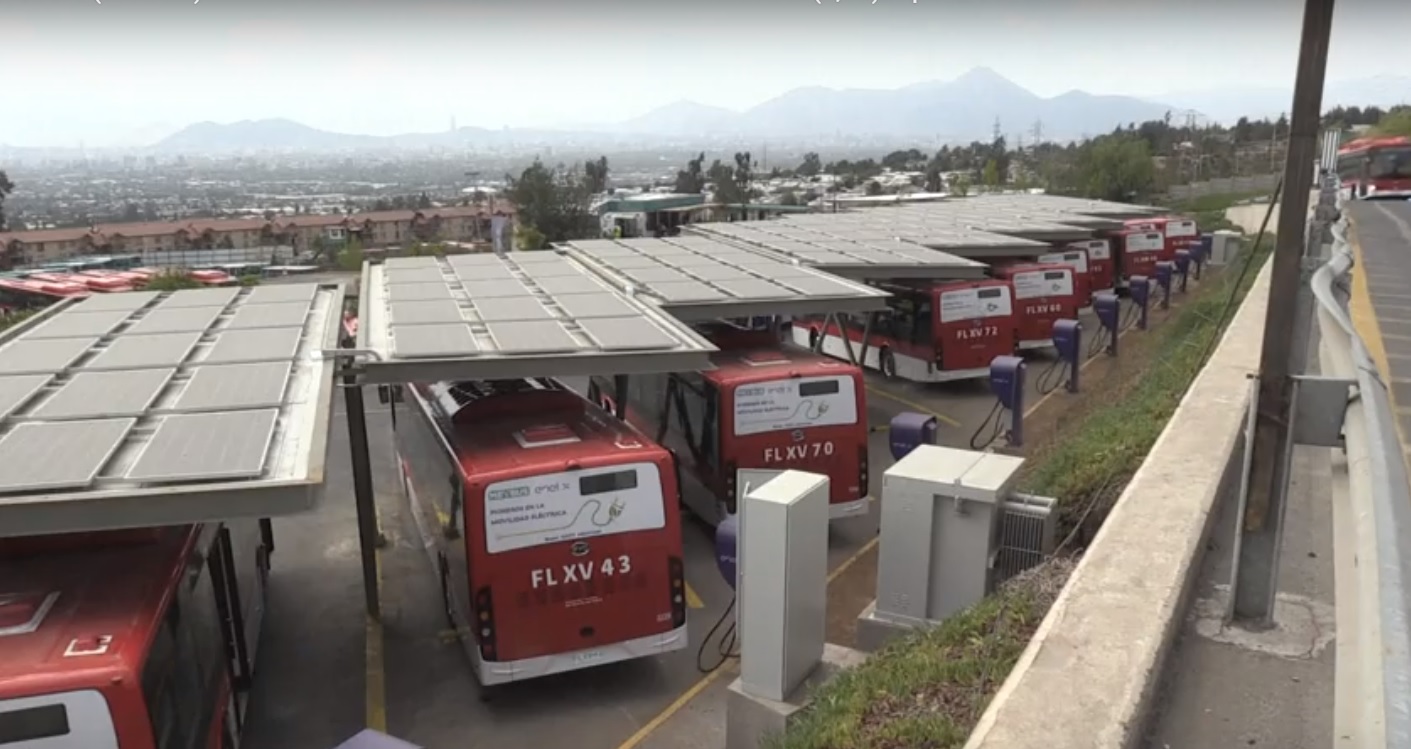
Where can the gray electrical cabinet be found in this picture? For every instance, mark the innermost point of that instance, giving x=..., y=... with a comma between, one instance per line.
x=941, y=511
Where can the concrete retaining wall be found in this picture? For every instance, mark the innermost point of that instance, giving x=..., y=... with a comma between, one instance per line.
x=1088, y=677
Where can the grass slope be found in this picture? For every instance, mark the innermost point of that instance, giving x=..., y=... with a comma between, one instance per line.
x=927, y=691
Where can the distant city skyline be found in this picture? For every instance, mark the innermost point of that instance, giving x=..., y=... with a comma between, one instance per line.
x=128, y=72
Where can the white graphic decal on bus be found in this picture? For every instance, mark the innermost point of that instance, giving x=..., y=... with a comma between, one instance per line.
x=1152, y=242
x=579, y=572
x=1039, y=283
x=558, y=507
x=795, y=403
x=970, y=304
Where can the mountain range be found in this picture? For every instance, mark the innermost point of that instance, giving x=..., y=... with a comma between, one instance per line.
x=960, y=110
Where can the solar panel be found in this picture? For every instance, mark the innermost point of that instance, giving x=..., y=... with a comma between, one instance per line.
x=15, y=391
x=581, y=306
x=129, y=301
x=570, y=285
x=175, y=320
x=206, y=447
x=465, y=261
x=48, y=456
x=90, y=395
x=42, y=357
x=507, y=287
x=418, y=313
x=423, y=274
x=267, y=344
x=420, y=261
x=275, y=315
x=274, y=293
x=145, y=351
x=71, y=324
x=217, y=297
x=624, y=334
x=532, y=337
x=429, y=341
x=507, y=310
x=235, y=386
x=417, y=292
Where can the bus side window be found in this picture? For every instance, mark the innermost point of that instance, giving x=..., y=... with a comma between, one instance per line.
x=921, y=324
x=710, y=427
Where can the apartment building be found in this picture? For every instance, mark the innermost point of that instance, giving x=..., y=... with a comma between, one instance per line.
x=303, y=233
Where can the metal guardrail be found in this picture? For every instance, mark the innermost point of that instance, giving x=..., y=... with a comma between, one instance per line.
x=1373, y=691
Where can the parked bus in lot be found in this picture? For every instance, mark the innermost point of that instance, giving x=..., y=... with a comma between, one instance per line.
x=1075, y=257
x=554, y=527
x=936, y=332
x=1177, y=233
x=762, y=406
x=137, y=639
x=1376, y=167
x=1043, y=294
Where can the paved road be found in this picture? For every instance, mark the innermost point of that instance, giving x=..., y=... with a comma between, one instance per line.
x=1381, y=300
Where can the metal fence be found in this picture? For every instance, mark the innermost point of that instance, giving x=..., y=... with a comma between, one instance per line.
x=1373, y=679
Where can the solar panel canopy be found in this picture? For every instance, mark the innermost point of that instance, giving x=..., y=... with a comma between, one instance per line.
x=118, y=401
x=525, y=314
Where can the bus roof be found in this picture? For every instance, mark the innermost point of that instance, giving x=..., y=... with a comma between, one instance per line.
x=1362, y=144
x=740, y=367
x=103, y=599
x=504, y=425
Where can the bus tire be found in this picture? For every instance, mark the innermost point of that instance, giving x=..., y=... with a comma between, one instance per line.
x=813, y=339
x=887, y=363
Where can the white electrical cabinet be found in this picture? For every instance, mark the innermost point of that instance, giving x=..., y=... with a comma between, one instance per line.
x=783, y=582
x=1224, y=247
x=940, y=519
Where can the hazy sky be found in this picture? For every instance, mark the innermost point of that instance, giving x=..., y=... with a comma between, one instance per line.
x=124, y=69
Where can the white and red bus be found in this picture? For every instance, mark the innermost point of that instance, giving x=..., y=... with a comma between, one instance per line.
x=139, y=639
x=936, y=332
x=554, y=527
x=1044, y=293
x=1138, y=251
x=24, y=294
x=763, y=406
x=1376, y=167
x=1177, y=233
x=1075, y=256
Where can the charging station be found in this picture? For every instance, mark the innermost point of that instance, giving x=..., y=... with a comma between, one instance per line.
x=1165, y=270
x=909, y=430
x=1183, y=267
x=941, y=518
x=1108, y=308
x=1140, y=289
x=1007, y=384
x=782, y=578
x=1068, y=341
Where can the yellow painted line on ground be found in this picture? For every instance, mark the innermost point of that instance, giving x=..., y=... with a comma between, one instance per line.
x=913, y=404
x=1364, y=320
x=376, y=674
x=850, y=561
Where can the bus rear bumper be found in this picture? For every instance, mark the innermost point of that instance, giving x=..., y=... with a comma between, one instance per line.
x=849, y=509
x=491, y=673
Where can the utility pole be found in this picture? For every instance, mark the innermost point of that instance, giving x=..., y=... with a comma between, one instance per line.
x=998, y=133
x=1038, y=132
x=1285, y=347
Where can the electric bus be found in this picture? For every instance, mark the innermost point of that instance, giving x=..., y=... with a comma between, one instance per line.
x=134, y=639
x=762, y=406
x=553, y=526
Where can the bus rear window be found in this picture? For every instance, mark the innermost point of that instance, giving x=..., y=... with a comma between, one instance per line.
x=559, y=507
x=795, y=403
x=971, y=304
x=34, y=723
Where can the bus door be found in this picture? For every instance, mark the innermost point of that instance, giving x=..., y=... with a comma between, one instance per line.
x=570, y=561
x=808, y=423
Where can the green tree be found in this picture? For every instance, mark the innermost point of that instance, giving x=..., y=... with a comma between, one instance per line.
x=6, y=187
x=172, y=280
x=1395, y=122
x=960, y=185
x=350, y=258
x=1117, y=168
x=811, y=166
x=595, y=175
x=874, y=188
x=789, y=197
x=991, y=174
x=692, y=179
x=553, y=201
x=526, y=237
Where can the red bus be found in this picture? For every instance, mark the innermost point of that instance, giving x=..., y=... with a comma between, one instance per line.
x=24, y=294
x=1043, y=293
x=213, y=278
x=762, y=406
x=139, y=639
x=1139, y=250
x=1178, y=233
x=1376, y=167
x=937, y=332
x=1102, y=265
x=1076, y=258
x=555, y=527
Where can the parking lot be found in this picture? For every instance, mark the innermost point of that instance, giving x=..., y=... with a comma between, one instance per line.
x=325, y=671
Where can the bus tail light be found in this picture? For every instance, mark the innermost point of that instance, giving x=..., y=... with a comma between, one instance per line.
x=730, y=471
x=862, y=470
x=485, y=623
x=676, y=571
